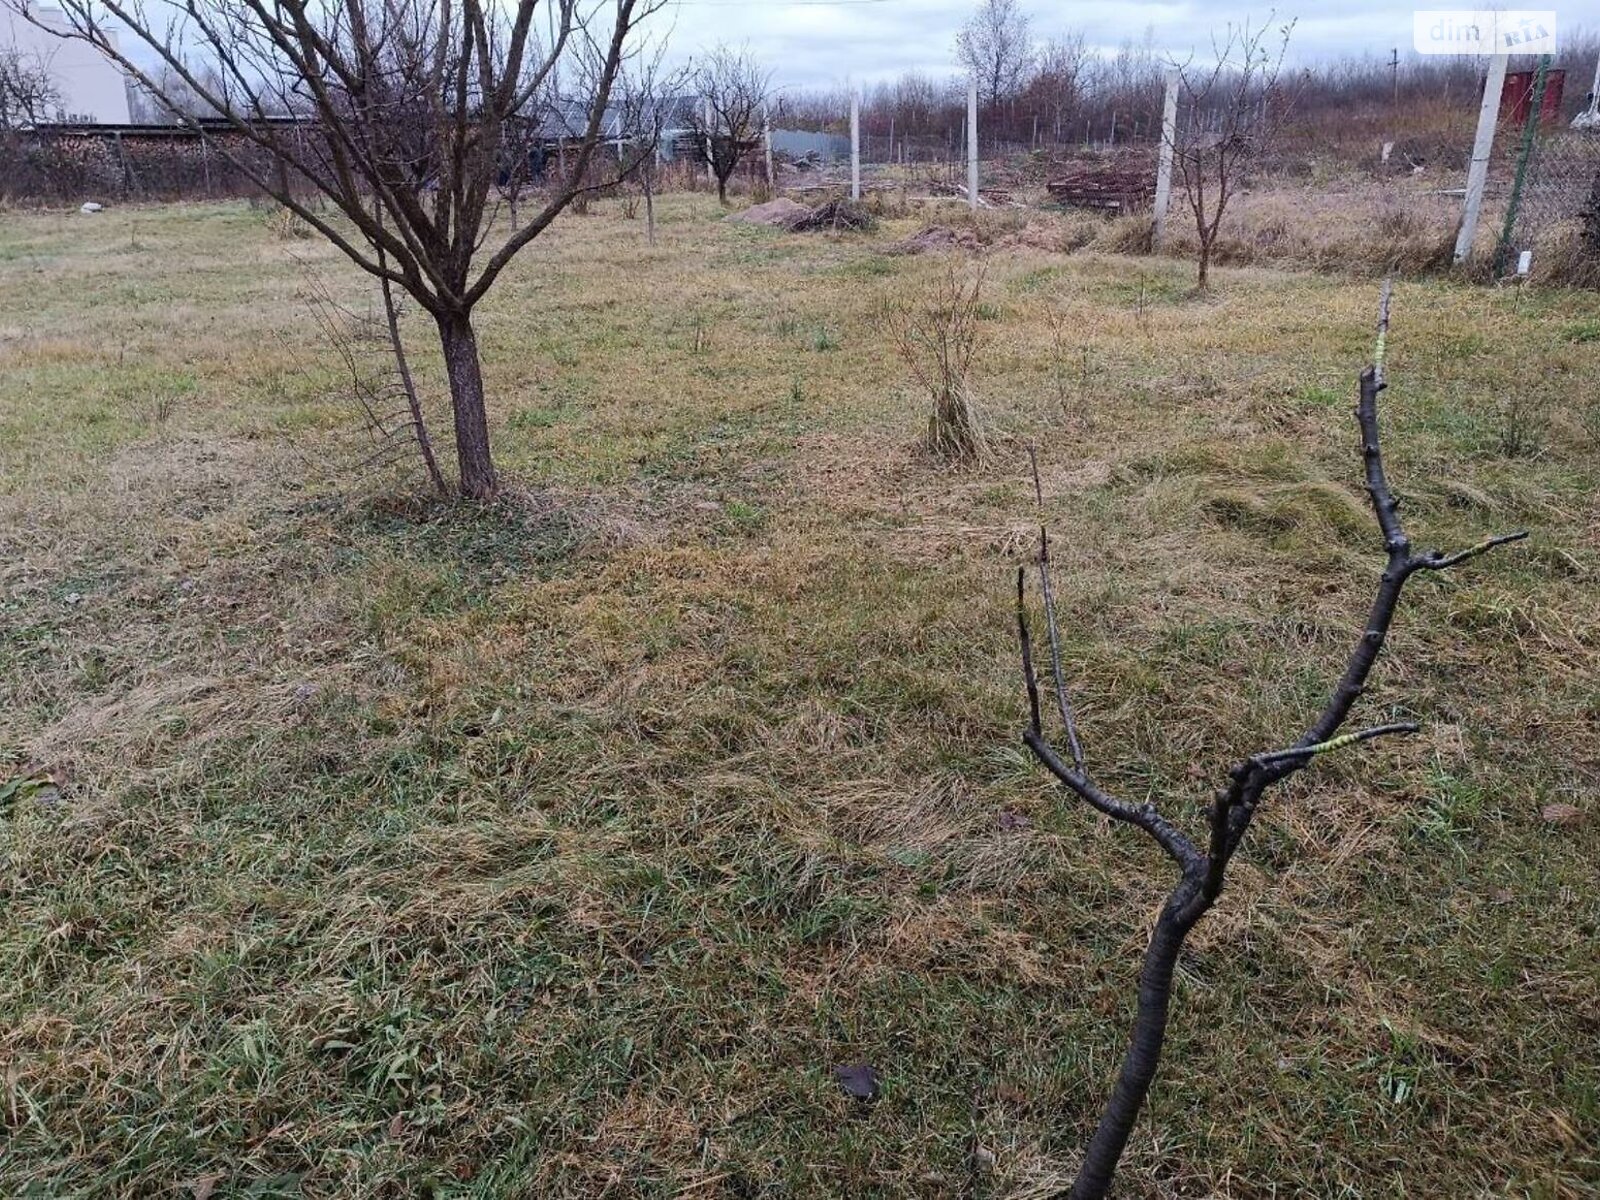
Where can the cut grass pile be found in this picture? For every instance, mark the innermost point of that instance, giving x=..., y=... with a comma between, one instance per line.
x=366, y=846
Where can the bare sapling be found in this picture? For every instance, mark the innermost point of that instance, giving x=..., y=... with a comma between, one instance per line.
x=937, y=335
x=1229, y=111
x=1202, y=866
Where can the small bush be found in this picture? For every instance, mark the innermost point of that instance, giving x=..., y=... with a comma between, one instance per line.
x=936, y=335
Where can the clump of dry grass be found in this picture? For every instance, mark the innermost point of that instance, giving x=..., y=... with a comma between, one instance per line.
x=1564, y=257
x=288, y=226
x=936, y=334
x=1130, y=234
x=1357, y=226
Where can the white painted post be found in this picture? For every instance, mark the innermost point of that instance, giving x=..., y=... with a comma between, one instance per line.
x=855, y=144
x=1482, y=144
x=711, y=176
x=972, y=145
x=1169, y=138
x=766, y=144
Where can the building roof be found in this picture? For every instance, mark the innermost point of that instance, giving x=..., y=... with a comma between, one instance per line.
x=569, y=118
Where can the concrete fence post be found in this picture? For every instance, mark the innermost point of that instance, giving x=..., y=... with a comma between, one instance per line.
x=1169, y=139
x=766, y=145
x=972, y=145
x=1482, y=146
x=855, y=143
x=711, y=175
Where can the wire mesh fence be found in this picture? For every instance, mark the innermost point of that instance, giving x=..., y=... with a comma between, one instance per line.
x=1557, y=208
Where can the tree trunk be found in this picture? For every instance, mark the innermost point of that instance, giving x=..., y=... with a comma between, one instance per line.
x=722, y=188
x=1144, y=1053
x=650, y=204
x=478, y=480
x=1205, y=265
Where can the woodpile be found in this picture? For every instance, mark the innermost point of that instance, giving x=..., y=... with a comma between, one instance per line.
x=1114, y=189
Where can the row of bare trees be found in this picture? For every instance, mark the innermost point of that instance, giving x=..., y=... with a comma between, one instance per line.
x=1055, y=89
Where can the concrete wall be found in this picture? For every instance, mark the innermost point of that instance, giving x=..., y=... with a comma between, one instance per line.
x=92, y=88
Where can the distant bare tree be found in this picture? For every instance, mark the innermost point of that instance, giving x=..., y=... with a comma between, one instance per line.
x=1057, y=82
x=1228, y=112
x=174, y=100
x=402, y=110
x=28, y=92
x=995, y=48
x=1202, y=871
x=727, y=121
x=28, y=97
x=651, y=99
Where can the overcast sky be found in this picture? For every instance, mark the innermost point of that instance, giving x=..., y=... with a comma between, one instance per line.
x=820, y=43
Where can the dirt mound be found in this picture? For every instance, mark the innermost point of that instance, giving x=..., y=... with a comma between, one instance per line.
x=782, y=213
x=938, y=238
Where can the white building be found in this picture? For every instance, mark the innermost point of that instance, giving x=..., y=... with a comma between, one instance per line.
x=92, y=88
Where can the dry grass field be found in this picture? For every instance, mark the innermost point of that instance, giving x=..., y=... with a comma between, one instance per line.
x=356, y=844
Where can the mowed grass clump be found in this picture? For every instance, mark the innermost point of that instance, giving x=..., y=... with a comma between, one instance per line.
x=366, y=846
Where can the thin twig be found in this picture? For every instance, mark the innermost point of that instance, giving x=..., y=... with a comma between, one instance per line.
x=1025, y=641
x=1063, y=704
x=1145, y=816
x=1383, y=330
x=1436, y=561
x=1338, y=743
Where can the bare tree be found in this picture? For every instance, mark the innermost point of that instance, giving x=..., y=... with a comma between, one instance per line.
x=1057, y=82
x=1229, y=111
x=652, y=100
x=175, y=99
x=28, y=92
x=401, y=111
x=727, y=122
x=28, y=96
x=995, y=48
x=1201, y=873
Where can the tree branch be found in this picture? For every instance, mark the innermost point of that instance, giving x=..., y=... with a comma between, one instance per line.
x=1144, y=816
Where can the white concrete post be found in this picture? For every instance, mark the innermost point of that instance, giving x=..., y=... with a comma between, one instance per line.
x=1169, y=139
x=972, y=145
x=1482, y=145
x=855, y=144
x=766, y=145
x=711, y=176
